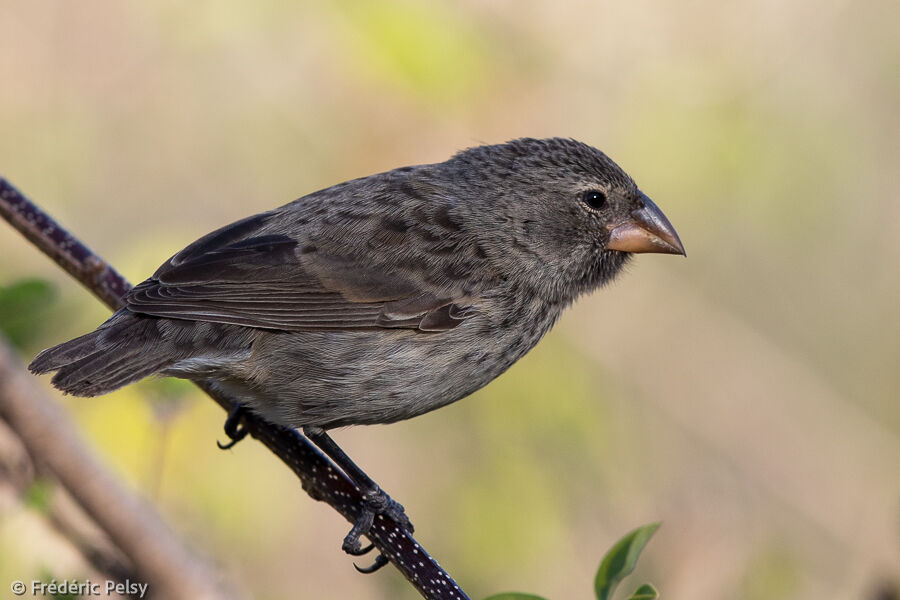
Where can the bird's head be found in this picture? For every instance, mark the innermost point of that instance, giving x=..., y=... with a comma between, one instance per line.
x=560, y=212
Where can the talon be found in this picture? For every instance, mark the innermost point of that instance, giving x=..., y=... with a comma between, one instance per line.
x=234, y=427
x=375, y=500
x=362, y=526
x=362, y=551
x=229, y=445
x=379, y=562
x=375, y=503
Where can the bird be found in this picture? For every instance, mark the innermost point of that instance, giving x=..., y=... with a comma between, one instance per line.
x=380, y=298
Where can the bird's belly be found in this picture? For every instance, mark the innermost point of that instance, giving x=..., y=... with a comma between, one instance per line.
x=336, y=378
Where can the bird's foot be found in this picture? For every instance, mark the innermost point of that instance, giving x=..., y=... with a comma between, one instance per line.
x=234, y=427
x=375, y=502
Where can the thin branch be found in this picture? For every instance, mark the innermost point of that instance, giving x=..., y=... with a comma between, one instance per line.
x=170, y=569
x=19, y=473
x=318, y=476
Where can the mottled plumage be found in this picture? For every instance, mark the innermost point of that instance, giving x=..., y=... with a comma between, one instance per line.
x=381, y=298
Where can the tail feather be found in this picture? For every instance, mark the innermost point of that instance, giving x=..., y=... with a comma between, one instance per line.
x=103, y=372
x=56, y=357
x=121, y=351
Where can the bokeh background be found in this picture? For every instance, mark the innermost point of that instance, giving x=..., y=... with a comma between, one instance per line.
x=747, y=396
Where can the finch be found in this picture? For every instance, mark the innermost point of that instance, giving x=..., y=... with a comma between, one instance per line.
x=380, y=298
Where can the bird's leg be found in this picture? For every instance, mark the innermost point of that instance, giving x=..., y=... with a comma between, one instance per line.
x=375, y=500
x=234, y=427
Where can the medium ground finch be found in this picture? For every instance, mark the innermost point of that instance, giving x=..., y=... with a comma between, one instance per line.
x=381, y=298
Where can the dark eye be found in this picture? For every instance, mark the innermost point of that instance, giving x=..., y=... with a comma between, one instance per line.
x=595, y=199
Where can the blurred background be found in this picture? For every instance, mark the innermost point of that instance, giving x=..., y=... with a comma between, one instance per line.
x=747, y=396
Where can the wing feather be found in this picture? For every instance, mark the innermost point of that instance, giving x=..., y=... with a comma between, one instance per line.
x=244, y=275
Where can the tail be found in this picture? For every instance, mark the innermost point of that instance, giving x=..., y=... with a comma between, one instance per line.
x=123, y=350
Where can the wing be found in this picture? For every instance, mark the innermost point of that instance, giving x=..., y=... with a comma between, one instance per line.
x=246, y=274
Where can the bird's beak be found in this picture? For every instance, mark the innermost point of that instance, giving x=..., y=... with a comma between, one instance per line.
x=648, y=230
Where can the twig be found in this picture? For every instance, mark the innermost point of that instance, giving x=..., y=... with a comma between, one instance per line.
x=19, y=473
x=318, y=476
x=170, y=569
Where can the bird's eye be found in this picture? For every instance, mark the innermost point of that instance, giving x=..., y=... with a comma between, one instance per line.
x=594, y=199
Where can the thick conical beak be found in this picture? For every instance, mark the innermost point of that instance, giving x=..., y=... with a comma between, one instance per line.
x=648, y=230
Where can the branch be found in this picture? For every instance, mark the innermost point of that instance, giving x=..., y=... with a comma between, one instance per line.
x=318, y=476
x=170, y=569
x=19, y=473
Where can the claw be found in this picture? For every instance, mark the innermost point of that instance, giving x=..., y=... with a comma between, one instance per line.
x=234, y=427
x=375, y=500
x=362, y=526
x=374, y=503
x=362, y=551
x=232, y=443
x=379, y=562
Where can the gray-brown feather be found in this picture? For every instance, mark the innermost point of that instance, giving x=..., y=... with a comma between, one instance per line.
x=371, y=301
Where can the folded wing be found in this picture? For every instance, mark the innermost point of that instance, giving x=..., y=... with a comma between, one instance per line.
x=244, y=275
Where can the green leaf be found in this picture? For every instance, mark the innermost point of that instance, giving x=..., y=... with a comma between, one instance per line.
x=22, y=309
x=645, y=592
x=514, y=596
x=620, y=561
